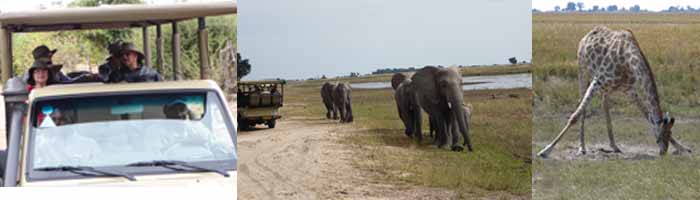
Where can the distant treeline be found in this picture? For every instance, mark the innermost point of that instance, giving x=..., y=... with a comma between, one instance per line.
x=393, y=70
x=581, y=7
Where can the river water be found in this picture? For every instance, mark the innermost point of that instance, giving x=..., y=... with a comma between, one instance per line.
x=507, y=81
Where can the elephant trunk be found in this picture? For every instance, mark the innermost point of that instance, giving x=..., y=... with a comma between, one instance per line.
x=455, y=105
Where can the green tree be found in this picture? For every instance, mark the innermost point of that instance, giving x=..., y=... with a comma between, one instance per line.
x=102, y=38
x=244, y=67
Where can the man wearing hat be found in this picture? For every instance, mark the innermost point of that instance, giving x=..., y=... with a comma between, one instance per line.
x=133, y=69
x=108, y=71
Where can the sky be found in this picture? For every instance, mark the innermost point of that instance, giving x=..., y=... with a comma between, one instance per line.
x=309, y=38
x=652, y=5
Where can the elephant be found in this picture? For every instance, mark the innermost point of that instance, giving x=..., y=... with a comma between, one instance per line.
x=439, y=93
x=407, y=106
x=341, y=99
x=326, y=95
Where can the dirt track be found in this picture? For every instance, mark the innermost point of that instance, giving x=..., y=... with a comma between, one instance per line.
x=304, y=159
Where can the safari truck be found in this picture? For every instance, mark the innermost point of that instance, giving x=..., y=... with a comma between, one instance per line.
x=259, y=102
x=143, y=134
x=172, y=133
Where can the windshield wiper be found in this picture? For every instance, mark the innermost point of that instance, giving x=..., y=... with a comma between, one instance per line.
x=170, y=163
x=80, y=170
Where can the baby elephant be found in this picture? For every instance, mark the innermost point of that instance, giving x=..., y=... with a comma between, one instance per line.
x=341, y=99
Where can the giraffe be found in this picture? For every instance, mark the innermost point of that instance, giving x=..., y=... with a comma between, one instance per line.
x=615, y=62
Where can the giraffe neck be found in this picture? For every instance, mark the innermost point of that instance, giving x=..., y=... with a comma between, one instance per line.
x=650, y=97
x=649, y=92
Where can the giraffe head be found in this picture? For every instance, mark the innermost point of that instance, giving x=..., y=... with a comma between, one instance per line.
x=663, y=134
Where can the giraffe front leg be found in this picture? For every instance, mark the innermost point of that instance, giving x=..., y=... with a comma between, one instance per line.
x=595, y=84
x=606, y=109
x=680, y=149
x=582, y=138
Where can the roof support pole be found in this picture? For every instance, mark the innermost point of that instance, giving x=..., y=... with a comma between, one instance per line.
x=204, y=69
x=6, y=55
x=159, y=50
x=146, y=47
x=177, y=70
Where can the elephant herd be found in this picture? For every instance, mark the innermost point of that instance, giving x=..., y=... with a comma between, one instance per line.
x=336, y=98
x=437, y=91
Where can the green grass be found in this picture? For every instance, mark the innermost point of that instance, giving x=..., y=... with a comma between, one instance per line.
x=672, y=46
x=664, y=178
x=501, y=135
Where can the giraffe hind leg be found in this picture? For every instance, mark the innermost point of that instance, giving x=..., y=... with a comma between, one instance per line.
x=585, y=101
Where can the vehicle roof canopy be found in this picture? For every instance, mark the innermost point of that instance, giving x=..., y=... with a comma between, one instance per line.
x=96, y=88
x=112, y=16
x=262, y=82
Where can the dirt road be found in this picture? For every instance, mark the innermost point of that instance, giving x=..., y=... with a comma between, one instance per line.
x=304, y=159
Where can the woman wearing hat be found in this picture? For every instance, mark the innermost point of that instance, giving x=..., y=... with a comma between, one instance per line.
x=40, y=75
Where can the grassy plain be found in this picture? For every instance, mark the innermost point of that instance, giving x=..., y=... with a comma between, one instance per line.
x=671, y=43
x=501, y=133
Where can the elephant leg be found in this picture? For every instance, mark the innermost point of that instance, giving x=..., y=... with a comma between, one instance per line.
x=348, y=106
x=466, y=138
x=465, y=134
x=417, y=120
x=441, y=131
x=335, y=113
x=329, y=109
x=340, y=112
x=436, y=126
x=454, y=134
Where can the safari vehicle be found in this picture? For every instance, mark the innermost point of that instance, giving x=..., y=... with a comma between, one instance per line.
x=259, y=102
x=167, y=133
x=176, y=133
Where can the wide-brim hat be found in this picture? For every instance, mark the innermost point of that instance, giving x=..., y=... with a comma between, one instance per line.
x=43, y=52
x=38, y=64
x=114, y=49
x=130, y=47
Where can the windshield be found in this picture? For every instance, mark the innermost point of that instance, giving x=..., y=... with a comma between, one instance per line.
x=122, y=129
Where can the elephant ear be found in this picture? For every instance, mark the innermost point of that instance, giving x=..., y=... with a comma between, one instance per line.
x=396, y=79
x=425, y=83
